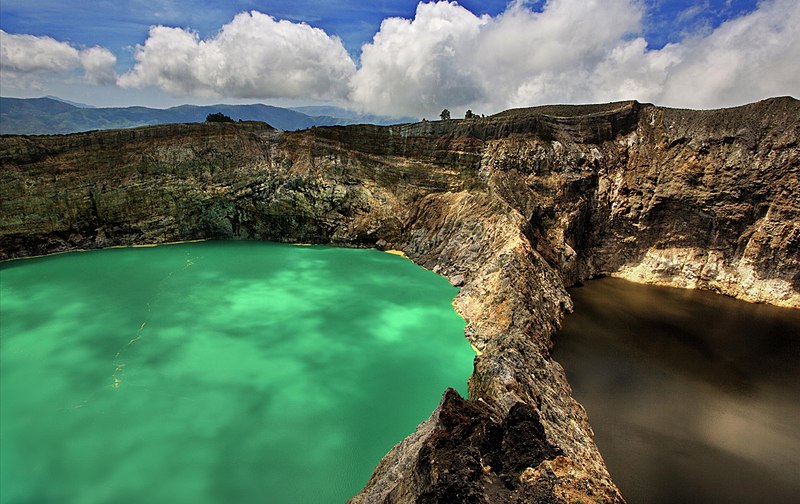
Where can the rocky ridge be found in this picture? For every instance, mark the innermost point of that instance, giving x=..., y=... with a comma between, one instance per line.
x=513, y=208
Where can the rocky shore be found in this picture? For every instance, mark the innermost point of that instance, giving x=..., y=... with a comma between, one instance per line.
x=513, y=208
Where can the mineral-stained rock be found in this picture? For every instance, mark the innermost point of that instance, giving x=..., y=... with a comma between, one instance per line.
x=513, y=207
x=467, y=455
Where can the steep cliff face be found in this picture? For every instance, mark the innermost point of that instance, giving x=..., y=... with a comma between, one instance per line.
x=688, y=198
x=513, y=208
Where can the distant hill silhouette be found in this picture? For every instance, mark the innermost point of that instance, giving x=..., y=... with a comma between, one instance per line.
x=77, y=104
x=352, y=117
x=44, y=116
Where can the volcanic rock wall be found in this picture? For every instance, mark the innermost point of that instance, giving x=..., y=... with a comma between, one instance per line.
x=513, y=208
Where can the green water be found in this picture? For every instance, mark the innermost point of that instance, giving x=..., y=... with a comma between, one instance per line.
x=216, y=372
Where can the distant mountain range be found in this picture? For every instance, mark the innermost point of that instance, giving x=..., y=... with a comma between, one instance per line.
x=77, y=104
x=51, y=115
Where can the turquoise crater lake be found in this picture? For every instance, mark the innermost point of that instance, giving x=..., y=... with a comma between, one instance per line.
x=216, y=371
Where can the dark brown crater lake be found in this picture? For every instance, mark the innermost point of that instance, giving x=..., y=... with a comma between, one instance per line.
x=693, y=397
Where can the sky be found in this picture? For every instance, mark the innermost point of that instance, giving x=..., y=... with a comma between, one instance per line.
x=402, y=57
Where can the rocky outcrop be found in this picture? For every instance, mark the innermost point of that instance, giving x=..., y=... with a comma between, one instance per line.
x=513, y=208
x=470, y=456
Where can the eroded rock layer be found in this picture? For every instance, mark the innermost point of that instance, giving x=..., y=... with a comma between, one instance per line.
x=513, y=208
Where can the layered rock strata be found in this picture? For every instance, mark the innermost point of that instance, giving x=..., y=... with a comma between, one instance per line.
x=513, y=208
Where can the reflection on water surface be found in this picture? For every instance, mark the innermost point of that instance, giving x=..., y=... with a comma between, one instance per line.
x=693, y=397
x=216, y=372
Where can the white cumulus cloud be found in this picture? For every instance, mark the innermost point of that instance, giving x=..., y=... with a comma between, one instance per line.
x=98, y=64
x=253, y=56
x=448, y=57
x=745, y=59
x=535, y=52
x=24, y=55
x=416, y=66
x=572, y=51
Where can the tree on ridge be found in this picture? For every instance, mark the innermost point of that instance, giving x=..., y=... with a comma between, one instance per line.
x=218, y=117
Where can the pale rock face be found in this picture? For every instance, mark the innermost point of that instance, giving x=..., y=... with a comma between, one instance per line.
x=691, y=268
x=513, y=208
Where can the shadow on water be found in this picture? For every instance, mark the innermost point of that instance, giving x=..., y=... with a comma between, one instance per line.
x=692, y=396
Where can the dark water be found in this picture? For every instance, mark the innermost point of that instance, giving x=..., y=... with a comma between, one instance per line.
x=216, y=372
x=693, y=397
